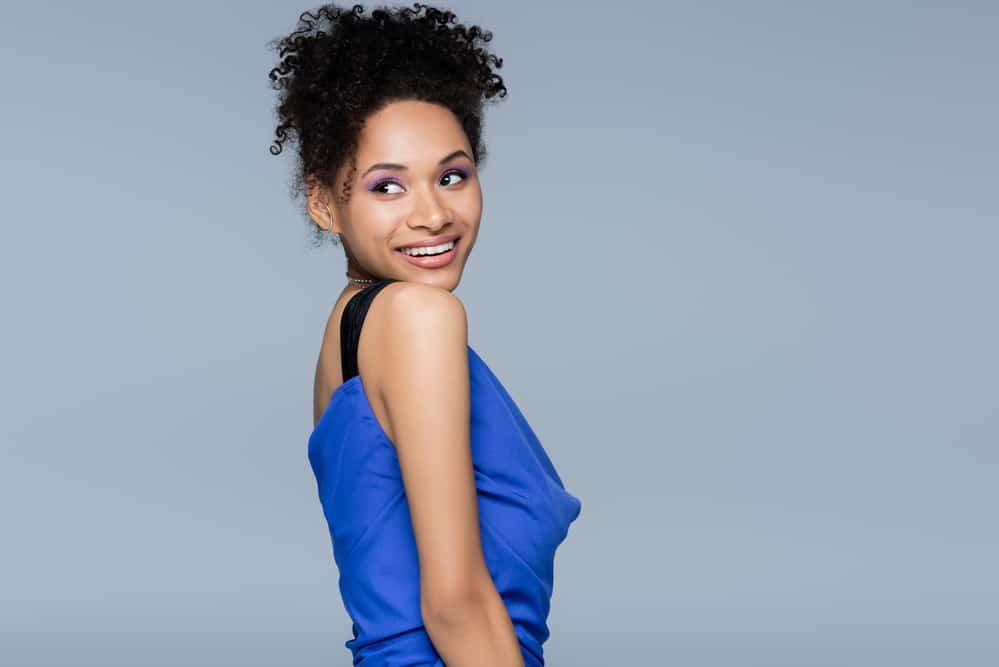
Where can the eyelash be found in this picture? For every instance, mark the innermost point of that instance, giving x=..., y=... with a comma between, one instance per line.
x=379, y=184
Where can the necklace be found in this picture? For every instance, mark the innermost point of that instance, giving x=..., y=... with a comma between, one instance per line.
x=359, y=281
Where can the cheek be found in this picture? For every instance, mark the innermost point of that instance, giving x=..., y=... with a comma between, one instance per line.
x=371, y=221
x=470, y=204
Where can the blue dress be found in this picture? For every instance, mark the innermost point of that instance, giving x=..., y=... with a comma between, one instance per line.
x=524, y=513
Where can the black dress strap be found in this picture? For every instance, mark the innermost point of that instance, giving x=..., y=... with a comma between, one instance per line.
x=350, y=326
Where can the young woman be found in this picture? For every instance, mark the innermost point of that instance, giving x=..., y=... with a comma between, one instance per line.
x=444, y=510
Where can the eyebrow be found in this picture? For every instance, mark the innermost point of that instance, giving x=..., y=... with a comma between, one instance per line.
x=402, y=167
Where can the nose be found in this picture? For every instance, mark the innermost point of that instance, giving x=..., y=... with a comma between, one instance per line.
x=430, y=212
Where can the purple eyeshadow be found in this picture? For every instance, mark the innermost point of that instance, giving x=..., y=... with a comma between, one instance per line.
x=382, y=181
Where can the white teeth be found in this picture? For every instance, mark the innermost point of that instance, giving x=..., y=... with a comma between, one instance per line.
x=430, y=250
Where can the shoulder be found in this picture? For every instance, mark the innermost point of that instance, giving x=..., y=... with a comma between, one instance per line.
x=408, y=300
x=414, y=335
x=405, y=311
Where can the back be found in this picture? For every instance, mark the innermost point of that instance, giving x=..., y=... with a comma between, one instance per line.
x=524, y=511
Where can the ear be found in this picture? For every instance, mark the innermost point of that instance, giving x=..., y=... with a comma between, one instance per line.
x=317, y=203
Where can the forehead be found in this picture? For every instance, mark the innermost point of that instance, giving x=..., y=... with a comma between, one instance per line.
x=411, y=132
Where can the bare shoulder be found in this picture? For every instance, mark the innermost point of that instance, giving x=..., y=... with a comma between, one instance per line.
x=405, y=305
x=413, y=334
x=414, y=317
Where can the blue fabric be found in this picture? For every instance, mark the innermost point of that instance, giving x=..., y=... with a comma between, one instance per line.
x=524, y=514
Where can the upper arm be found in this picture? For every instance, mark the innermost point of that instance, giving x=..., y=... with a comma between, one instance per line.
x=426, y=395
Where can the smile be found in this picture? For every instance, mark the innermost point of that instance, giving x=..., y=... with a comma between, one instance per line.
x=445, y=253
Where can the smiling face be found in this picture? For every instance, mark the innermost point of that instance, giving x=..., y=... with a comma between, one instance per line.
x=415, y=181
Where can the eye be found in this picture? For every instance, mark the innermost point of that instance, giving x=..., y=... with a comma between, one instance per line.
x=377, y=187
x=456, y=172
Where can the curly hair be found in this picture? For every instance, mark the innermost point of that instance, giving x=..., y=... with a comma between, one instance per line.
x=337, y=68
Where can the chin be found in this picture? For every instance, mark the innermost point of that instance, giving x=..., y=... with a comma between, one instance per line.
x=448, y=282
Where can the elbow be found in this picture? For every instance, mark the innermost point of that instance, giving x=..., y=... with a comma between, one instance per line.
x=456, y=606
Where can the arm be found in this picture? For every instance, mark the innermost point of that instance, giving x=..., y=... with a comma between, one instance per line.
x=427, y=402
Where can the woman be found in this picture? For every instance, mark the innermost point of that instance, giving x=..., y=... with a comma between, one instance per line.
x=443, y=508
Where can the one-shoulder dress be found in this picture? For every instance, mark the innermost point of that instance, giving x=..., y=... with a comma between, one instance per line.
x=524, y=512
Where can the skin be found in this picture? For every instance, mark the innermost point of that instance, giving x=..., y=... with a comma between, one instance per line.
x=425, y=203
x=413, y=360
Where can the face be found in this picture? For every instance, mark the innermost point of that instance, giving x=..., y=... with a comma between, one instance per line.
x=415, y=181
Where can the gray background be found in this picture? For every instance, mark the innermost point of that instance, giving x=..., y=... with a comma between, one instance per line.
x=737, y=266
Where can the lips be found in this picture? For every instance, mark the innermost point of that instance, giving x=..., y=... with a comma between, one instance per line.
x=431, y=261
x=434, y=240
